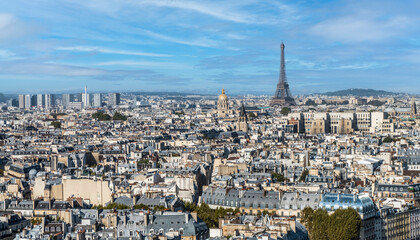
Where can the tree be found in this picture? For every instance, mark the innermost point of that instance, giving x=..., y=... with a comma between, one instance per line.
x=118, y=206
x=388, y=139
x=141, y=206
x=190, y=207
x=376, y=103
x=208, y=215
x=346, y=224
x=159, y=208
x=285, y=111
x=304, y=174
x=252, y=115
x=320, y=223
x=310, y=102
x=278, y=177
x=56, y=124
x=100, y=116
x=35, y=221
x=119, y=116
x=342, y=224
x=97, y=206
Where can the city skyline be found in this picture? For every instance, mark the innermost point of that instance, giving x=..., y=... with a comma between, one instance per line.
x=203, y=46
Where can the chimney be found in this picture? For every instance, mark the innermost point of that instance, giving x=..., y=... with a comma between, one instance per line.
x=43, y=225
x=292, y=224
x=146, y=219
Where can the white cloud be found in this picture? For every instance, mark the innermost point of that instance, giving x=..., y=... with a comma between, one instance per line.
x=26, y=68
x=360, y=28
x=11, y=28
x=6, y=54
x=204, y=42
x=111, y=51
x=144, y=64
x=218, y=10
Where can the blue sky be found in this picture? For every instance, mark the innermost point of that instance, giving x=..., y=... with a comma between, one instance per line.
x=202, y=46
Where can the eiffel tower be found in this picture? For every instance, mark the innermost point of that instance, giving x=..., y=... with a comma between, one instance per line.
x=282, y=97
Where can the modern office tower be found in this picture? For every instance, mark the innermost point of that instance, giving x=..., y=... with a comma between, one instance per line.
x=40, y=100
x=12, y=103
x=66, y=99
x=77, y=97
x=21, y=101
x=33, y=101
x=49, y=100
x=28, y=101
x=114, y=99
x=97, y=100
x=86, y=100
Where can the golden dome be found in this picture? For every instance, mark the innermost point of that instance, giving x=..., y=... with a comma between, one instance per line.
x=223, y=97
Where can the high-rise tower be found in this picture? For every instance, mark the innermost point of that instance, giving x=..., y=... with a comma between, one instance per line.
x=413, y=111
x=282, y=97
x=242, y=123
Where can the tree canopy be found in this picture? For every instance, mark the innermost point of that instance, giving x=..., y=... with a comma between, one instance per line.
x=342, y=224
x=119, y=116
x=304, y=174
x=285, y=111
x=310, y=102
x=388, y=139
x=56, y=124
x=100, y=116
x=252, y=115
x=208, y=215
x=278, y=177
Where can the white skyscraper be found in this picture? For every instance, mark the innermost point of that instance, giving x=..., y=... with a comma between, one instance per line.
x=114, y=99
x=40, y=100
x=28, y=101
x=97, y=100
x=21, y=101
x=86, y=99
x=49, y=100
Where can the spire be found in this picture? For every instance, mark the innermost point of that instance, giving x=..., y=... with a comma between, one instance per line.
x=242, y=112
x=223, y=91
x=86, y=97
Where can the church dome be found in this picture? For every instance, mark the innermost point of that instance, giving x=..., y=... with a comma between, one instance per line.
x=223, y=97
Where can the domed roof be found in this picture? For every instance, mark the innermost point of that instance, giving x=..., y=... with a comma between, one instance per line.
x=32, y=173
x=223, y=97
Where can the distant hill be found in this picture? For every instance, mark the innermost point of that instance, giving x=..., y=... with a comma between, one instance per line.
x=359, y=92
